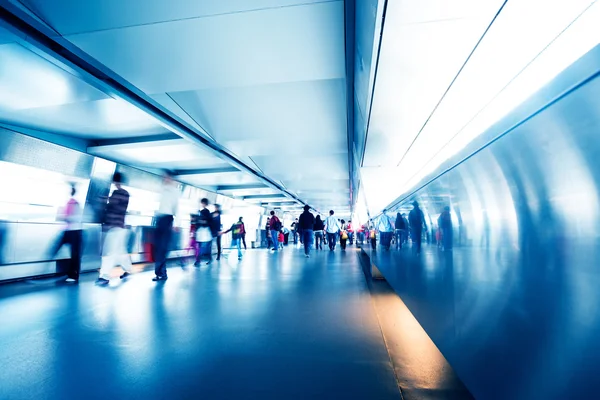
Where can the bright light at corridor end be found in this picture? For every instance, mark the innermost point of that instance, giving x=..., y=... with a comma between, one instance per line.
x=529, y=44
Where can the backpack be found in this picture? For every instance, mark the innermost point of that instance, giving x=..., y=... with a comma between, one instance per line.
x=277, y=225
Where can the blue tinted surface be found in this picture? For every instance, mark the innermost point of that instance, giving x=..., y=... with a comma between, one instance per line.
x=273, y=326
x=514, y=308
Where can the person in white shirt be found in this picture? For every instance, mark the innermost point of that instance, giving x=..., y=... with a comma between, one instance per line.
x=169, y=201
x=332, y=228
x=385, y=227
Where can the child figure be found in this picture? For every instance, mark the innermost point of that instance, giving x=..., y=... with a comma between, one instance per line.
x=280, y=239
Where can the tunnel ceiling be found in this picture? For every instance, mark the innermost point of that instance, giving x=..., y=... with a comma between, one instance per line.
x=447, y=71
x=264, y=79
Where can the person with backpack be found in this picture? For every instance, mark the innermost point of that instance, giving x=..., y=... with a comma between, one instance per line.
x=237, y=231
x=275, y=226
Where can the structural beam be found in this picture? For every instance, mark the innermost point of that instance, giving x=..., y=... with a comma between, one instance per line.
x=241, y=187
x=265, y=196
x=204, y=171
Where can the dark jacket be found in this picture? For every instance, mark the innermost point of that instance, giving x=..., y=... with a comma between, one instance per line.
x=204, y=219
x=319, y=225
x=116, y=209
x=400, y=223
x=416, y=218
x=306, y=221
x=215, y=226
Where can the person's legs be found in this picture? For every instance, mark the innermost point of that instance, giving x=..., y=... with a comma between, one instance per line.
x=274, y=237
x=219, y=248
x=108, y=254
x=308, y=241
x=244, y=241
x=418, y=238
x=331, y=240
x=164, y=227
x=343, y=243
x=318, y=240
x=75, y=240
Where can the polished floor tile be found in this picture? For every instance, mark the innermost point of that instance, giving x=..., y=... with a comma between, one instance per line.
x=271, y=326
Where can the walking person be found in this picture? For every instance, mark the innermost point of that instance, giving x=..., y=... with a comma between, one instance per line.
x=72, y=235
x=332, y=228
x=268, y=234
x=416, y=220
x=167, y=210
x=237, y=231
x=373, y=236
x=243, y=237
x=275, y=226
x=204, y=233
x=386, y=229
x=116, y=238
x=350, y=230
x=306, y=223
x=318, y=229
x=343, y=235
x=400, y=228
x=295, y=228
x=445, y=224
x=216, y=227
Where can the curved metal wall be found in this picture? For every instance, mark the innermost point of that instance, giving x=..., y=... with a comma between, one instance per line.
x=515, y=308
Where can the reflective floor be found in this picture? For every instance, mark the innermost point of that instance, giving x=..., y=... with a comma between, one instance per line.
x=270, y=326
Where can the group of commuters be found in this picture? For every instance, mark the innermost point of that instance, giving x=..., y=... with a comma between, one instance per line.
x=204, y=230
x=402, y=228
x=314, y=230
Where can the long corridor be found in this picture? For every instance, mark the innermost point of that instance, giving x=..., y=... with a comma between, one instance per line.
x=270, y=326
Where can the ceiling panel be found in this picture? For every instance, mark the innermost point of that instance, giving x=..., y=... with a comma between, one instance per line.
x=92, y=120
x=311, y=116
x=170, y=154
x=217, y=179
x=305, y=167
x=76, y=16
x=274, y=45
x=30, y=81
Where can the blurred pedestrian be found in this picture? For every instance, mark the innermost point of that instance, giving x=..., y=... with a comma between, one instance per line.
x=243, y=237
x=400, y=228
x=204, y=233
x=416, y=220
x=72, y=235
x=319, y=226
x=343, y=235
x=307, y=224
x=275, y=227
x=332, y=228
x=216, y=227
x=116, y=238
x=236, y=230
x=167, y=210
